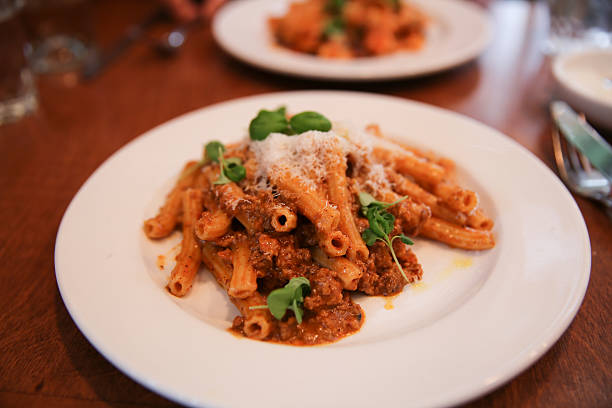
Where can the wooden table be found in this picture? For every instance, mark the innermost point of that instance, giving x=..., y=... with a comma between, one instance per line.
x=44, y=359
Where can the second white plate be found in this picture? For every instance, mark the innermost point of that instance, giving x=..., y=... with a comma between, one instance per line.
x=459, y=31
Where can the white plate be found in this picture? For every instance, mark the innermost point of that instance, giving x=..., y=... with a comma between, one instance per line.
x=463, y=332
x=459, y=32
x=584, y=80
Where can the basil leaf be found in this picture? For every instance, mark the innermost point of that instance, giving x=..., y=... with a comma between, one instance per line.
x=234, y=170
x=369, y=237
x=309, y=120
x=404, y=239
x=300, y=283
x=367, y=200
x=267, y=122
x=297, y=311
x=291, y=297
x=377, y=222
x=222, y=177
x=278, y=302
x=213, y=150
x=381, y=223
x=388, y=222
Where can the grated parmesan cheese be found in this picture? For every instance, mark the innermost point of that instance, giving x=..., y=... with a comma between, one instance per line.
x=376, y=178
x=303, y=156
x=306, y=156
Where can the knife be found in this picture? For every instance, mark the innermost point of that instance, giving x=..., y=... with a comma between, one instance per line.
x=586, y=139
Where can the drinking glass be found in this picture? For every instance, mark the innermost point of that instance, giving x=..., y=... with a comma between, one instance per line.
x=17, y=88
x=60, y=33
x=579, y=24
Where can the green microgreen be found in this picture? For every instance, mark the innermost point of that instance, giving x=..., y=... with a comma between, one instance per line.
x=267, y=122
x=309, y=120
x=231, y=169
x=291, y=297
x=381, y=225
x=212, y=151
x=366, y=200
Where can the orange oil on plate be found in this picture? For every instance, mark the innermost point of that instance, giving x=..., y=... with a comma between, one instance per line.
x=389, y=302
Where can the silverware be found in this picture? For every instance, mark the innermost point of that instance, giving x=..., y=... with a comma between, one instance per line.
x=586, y=139
x=577, y=172
x=98, y=62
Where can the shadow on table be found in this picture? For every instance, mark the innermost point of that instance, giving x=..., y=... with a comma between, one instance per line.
x=109, y=384
x=465, y=79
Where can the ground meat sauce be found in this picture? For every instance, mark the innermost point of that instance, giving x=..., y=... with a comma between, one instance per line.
x=329, y=312
x=322, y=325
x=295, y=215
x=381, y=276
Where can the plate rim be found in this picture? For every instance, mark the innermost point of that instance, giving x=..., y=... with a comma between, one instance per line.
x=516, y=366
x=469, y=53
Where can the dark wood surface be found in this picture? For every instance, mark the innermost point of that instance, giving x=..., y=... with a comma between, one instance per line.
x=46, y=362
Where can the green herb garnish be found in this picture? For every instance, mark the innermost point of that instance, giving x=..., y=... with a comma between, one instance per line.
x=267, y=122
x=335, y=26
x=213, y=150
x=231, y=169
x=211, y=153
x=309, y=120
x=381, y=224
x=291, y=297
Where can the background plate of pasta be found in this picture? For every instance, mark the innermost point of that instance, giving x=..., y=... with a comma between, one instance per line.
x=353, y=40
x=335, y=241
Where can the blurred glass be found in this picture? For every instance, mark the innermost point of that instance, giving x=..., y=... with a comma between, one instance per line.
x=60, y=33
x=17, y=88
x=579, y=24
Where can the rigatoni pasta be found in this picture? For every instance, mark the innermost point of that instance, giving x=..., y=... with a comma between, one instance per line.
x=189, y=259
x=244, y=277
x=166, y=219
x=291, y=224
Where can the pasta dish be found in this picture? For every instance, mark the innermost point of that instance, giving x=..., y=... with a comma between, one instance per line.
x=302, y=213
x=350, y=28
